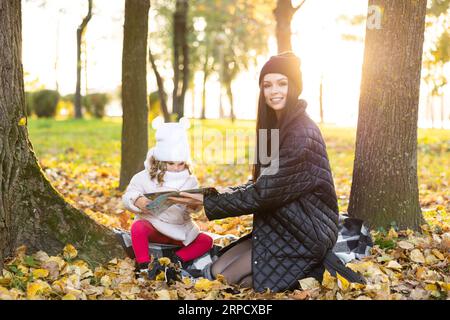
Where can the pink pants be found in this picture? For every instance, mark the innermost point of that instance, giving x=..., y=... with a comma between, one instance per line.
x=142, y=231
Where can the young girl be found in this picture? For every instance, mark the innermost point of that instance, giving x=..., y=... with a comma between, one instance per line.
x=166, y=168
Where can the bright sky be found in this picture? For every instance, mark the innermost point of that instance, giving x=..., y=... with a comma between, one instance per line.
x=49, y=36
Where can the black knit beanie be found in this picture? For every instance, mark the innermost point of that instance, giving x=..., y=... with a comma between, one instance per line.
x=288, y=64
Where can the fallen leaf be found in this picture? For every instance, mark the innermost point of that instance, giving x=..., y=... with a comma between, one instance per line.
x=69, y=296
x=35, y=288
x=394, y=265
x=40, y=273
x=328, y=280
x=405, y=245
x=69, y=252
x=417, y=256
x=343, y=283
x=309, y=283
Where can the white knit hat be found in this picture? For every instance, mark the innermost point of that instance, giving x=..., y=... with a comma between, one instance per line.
x=171, y=140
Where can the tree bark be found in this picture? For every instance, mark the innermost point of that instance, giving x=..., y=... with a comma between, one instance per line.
x=134, y=90
x=80, y=33
x=161, y=92
x=385, y=188
x=180, y=57
x=32, y=212
x=283, y=13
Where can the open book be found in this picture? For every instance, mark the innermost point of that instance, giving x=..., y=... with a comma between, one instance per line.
x=160, y=201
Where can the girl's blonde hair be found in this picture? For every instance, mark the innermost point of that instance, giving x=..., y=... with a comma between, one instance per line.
x=159, y=168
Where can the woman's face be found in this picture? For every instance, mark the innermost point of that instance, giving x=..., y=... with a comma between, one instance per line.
x=275, y=87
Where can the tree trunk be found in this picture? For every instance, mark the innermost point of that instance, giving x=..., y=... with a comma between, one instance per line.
x=80, y=33
x=230, y=98
x=134, y=90
x=283, y=13
x=32, y=212
x=384, y=187
x=205, y=78
x=181, y=53
x=161, y=92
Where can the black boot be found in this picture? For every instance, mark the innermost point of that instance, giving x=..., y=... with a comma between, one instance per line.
x=155, y=268
x=140, y=268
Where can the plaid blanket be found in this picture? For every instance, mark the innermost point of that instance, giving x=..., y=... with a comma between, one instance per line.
x=354, y=242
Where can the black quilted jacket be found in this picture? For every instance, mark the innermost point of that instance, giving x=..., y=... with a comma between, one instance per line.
x=295, y=211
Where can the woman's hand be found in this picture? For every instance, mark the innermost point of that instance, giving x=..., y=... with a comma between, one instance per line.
x=142, y=203
x=194, y=201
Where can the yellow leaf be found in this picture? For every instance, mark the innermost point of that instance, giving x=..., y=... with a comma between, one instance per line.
x=203, y=284
x=417, y=256
x=187, y=281
x=343, y=283
x=392, y=234
x=309, y=283
x=105, y=281
x=431, y=259
x=360, y=267
x=394, y=265
x=164, y=261
x=438, y=254
x=40, y=273
x=69, y=252
x=35, y=288
x=444, y=285
x=431, y=287
x=163, y=294
x=161, y=276
x=22, y=121
x=69, y=296
x=328, y=280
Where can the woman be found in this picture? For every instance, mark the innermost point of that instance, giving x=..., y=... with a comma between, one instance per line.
x=295, y=210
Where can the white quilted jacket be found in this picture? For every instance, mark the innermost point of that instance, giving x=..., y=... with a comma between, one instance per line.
x=174, y=222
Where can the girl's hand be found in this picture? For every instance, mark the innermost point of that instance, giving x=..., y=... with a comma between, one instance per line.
x=142, y=203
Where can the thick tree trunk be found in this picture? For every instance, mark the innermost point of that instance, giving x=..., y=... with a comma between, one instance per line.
x=134, y=90
x=80, y=33
x=161, y=92
x=283, y=13
x=32, y=212
x=384, y=187
x=180, y=57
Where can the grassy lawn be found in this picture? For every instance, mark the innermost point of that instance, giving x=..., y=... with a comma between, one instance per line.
x=83, y=144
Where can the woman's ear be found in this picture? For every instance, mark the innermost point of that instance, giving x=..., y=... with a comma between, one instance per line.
x=157, y=122
x=185, y=123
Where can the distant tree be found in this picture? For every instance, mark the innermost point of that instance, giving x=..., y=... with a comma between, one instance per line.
x=384, y=187
x=223, y=36
x=32, y=212
x=180, y=57
x=80, y=33
x=284, y=12
x=134, y=90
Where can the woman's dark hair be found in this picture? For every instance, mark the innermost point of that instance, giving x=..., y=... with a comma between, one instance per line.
x=266, y=119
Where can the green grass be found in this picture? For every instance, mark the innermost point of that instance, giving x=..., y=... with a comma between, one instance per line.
x=97, y=142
